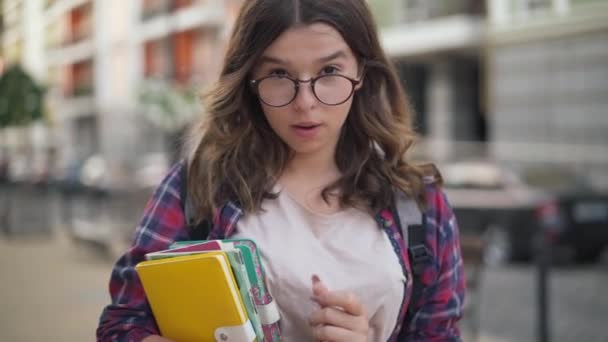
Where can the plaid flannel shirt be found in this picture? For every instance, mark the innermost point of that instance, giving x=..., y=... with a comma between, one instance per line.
x=129, y=317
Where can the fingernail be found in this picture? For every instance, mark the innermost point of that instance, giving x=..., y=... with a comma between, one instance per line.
x=315, y=278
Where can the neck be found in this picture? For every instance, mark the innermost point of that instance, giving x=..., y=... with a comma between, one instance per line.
x=318, y=167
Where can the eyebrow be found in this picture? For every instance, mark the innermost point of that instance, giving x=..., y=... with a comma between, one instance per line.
x=274, y=60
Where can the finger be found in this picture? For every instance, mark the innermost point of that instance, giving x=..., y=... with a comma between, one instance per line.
x=337, y=318
x=318, y=288
x=344, y=300
x=331, y=333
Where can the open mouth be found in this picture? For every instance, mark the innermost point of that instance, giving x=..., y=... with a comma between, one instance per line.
x=306, y=130
x=306, y=127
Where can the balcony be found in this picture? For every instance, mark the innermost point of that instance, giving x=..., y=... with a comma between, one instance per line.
x=188, y=15
x=56, y=9
x=83, y=90
x=423, y=10
x=77, y=94
x=80, y=79
x=436, y=36
x=422, y=27
x=155, y=8
x=546, y=19
x=80, y=24
x=73, y=108
x=71, y=54
x=174, y=58
x=399, y=12
x=70, y=40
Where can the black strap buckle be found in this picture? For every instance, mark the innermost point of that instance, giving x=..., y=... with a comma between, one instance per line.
x=420, y=256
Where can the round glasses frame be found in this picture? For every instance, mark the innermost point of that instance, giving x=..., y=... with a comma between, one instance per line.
x=255, y=84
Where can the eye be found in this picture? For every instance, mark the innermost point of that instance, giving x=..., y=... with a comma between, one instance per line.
x=278, y=72
x=330, y=70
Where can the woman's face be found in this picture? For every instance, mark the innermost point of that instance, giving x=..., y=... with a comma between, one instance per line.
x=307, y=125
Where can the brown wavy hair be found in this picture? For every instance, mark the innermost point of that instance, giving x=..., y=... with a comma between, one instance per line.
x=235, y=154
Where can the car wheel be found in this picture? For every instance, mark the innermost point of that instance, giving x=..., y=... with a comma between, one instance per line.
x=498, y=247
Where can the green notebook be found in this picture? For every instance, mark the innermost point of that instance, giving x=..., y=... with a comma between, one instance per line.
x=242, y=263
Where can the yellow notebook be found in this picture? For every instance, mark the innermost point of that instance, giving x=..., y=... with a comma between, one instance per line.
x=195, y=298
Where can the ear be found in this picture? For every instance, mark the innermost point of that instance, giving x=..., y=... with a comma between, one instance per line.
x=361, y=77
x=360, y=85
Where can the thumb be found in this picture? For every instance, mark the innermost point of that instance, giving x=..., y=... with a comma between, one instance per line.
x=318, y=288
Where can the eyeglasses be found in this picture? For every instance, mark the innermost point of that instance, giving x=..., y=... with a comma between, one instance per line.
x=279, y=91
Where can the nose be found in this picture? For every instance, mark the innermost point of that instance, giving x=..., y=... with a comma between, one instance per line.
x=305, y=98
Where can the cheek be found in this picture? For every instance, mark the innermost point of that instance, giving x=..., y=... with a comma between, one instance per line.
x=339, y=114
x=275, y=117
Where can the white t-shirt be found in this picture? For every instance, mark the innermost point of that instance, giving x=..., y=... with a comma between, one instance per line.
x=347, y=250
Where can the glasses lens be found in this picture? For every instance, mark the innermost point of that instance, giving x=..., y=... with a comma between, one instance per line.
x=333, y=89
x=276, y=91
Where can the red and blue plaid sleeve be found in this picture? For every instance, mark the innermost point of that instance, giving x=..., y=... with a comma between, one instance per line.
x=128, y=317
x=440, y=308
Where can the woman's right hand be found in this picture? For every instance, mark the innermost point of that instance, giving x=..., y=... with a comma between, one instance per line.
x=156, y=338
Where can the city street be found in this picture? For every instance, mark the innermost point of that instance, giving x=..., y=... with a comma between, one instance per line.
x=53, y=291
x=578, y=301
x=50, y=291
x=508, y=99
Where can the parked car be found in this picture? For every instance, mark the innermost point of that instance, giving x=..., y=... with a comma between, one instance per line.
x=510, y=210
x=102, y=203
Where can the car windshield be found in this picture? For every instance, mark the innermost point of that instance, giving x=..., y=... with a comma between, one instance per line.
x=553, y=178
x=482, y=175
x=474, y=175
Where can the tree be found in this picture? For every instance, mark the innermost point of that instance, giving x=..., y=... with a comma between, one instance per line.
x=169, y=108
x=21, y=99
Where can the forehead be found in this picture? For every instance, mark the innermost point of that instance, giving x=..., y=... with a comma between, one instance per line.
x=308, y=43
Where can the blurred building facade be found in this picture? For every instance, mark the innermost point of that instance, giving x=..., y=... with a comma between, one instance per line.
x=97, y=56
x=21, y=43
x=547, y=85
x=524, y=82
x=519, y=81
x=437, y=47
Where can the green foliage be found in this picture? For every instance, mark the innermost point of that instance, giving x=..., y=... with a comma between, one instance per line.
x=384, y=12
x=21, y=99
x=167, y=106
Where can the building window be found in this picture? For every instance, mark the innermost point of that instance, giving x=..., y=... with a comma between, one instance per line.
x=80, y=23
x=150, y=65
x=414, y=78
x=157, y=58
x=183, y=51
x=80, y=79
x=177, y=4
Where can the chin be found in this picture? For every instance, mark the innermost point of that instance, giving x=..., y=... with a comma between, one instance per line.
x=309, y=148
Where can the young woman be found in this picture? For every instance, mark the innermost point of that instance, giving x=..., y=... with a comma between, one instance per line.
x=301, y=149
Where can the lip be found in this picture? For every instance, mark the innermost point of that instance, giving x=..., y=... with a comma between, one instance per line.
x=306, y=130
x=306, y=124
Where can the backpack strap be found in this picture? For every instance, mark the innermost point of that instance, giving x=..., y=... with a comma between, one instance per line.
x=196, y=231
x=412, y=222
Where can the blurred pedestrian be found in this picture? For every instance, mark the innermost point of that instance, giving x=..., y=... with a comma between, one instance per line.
x=302, y=149
x=4, y=166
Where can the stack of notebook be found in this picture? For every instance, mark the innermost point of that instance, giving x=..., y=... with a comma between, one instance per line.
x=210, y=291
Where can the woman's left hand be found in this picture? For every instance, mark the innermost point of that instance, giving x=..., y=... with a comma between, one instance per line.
x=341, y=317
